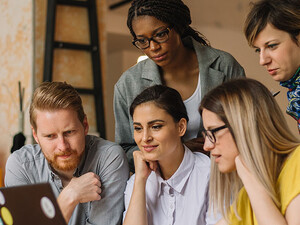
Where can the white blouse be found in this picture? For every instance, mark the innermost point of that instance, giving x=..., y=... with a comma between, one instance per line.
x=182, y=199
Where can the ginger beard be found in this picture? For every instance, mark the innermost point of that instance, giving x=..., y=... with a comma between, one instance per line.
x=70, y=163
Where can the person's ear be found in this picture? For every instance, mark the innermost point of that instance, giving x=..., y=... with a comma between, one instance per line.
x=298, y=38
x=182, y=125
x=85, y=125
x=34, y=134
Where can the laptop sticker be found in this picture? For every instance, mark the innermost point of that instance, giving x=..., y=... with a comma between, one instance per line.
x=2, y=199
x=6, y=216
x=47, y=207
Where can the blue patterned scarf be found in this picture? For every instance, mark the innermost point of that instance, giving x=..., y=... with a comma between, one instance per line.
x=293, y=95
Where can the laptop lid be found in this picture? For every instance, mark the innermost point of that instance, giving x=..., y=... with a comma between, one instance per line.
x=33, y=204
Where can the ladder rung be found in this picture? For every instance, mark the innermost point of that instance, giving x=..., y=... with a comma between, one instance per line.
x=85, y=91
x=68, y=45
x=118, y=4
x=73, y=3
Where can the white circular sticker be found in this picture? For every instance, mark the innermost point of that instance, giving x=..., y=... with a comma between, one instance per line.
x=2, y=199
x=47, y=207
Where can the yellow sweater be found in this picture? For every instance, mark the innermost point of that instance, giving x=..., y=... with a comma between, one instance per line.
x=288, y=184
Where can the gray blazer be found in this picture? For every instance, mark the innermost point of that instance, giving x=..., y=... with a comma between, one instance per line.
x=215, y=67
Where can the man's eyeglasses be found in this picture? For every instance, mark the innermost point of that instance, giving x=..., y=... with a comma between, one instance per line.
x=211, y=133
x=160, y=37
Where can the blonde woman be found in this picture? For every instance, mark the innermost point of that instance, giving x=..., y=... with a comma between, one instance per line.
x=255, y=157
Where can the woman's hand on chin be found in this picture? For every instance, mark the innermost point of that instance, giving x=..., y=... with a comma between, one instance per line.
x=143, y=168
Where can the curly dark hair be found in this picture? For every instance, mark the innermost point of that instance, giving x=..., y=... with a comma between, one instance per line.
x=173, y=12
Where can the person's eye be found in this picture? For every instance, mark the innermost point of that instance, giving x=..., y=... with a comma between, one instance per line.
x=257, y=50
x=272, y=46
x=157, y=127
x=69, y=132
x=49, y=136
x=142, y=41
x=137, y=129
x=161, y=34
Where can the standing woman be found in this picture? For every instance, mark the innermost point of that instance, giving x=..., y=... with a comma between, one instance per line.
x=272, y=28
x=255, y=157
x=170, y=184
x=179, y=57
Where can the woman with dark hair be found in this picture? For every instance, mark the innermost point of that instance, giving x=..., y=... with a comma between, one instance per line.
x=255, y=170
x=179, y=57
x=272, y=28
x=170, y=184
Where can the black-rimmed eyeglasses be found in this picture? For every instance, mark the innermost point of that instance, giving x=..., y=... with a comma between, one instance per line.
x=160, y=37
x=211, y=133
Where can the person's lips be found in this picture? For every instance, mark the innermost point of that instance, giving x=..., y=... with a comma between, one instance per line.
x=159, y=57
x=64, y=155
x=272, y=71
x=149, y=148
x=217, y=157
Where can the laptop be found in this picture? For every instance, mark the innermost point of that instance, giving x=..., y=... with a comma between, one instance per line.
x=33, y=204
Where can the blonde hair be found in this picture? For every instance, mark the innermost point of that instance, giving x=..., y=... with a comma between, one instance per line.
x=282, y=14
x=260, y=132
x=54, y=96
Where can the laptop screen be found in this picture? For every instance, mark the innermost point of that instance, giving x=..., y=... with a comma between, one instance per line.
x=33, y=204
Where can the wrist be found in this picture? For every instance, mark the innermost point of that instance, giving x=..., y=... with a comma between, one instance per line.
x=68, y=198
x=140, y=180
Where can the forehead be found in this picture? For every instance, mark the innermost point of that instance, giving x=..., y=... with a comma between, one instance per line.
x=55, y=118
x=210, y=119
x=146, y=24
x=270, y=33
x=149, y=111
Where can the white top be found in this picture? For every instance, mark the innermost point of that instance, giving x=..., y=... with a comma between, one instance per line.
x=182, y=199
x=192, y=107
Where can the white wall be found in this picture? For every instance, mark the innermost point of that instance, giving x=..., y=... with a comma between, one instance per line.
x=118, y=62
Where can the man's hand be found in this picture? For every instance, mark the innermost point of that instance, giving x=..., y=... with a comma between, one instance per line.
x=85, y=188
x=81, y=189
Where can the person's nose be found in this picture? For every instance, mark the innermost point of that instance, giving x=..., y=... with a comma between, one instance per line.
x=208, y=145
x=264, y=58
x=153, y=46
x=147, y=136
x=63, y=143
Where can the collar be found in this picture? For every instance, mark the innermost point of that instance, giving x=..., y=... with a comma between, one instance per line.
x=182, y=174
x=293, y=82
x=89, y=141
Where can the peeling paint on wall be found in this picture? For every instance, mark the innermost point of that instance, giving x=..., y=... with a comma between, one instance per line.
x=16, y=61
x=15, y=65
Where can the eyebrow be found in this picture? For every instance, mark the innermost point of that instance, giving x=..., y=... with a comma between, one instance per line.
x=46, y=134
x=150, y=122
x=213, y=127
x=154, y=31
x=267, y=43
